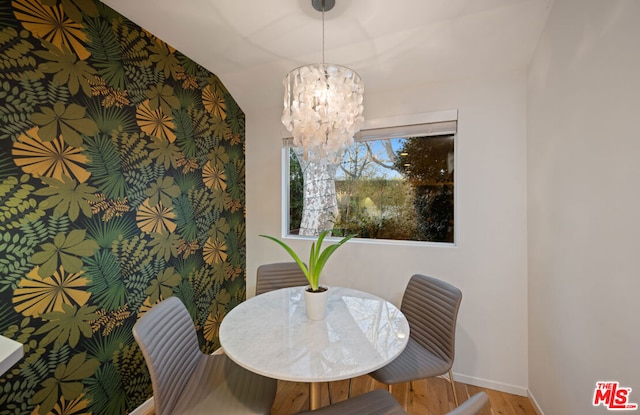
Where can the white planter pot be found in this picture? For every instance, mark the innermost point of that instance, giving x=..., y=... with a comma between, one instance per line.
x=316, y=303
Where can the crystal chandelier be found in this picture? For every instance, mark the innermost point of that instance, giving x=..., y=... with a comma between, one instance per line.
x=323, y=104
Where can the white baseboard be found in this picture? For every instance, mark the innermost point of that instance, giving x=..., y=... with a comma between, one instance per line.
x=535, y=404
x=143, y=409
x=490, y=384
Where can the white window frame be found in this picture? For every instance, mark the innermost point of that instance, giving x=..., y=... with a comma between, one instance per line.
x=436, y=123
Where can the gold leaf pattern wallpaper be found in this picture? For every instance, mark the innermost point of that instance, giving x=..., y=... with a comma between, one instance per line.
x=121, y=184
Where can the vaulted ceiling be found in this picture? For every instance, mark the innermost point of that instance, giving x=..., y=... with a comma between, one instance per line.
x=252, y=44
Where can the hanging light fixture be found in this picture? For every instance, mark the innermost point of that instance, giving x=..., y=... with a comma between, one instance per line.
x=323, y=104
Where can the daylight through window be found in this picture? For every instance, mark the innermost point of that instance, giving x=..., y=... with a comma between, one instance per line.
x=394, y=183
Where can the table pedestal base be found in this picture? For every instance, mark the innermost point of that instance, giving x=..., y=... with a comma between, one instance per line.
x=314, y=395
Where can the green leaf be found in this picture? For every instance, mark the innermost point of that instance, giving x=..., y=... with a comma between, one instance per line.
x=165, y=60
x=67, y=325
x=71, y=390
x=162, y=96
x=75, y=237
x=107, y=386
x=291, y=252
x=67, y=196
x=317, y=257
x=106, y=285
x=47, y=397
x=164, y=152
x=65, y=382
x=43, y=256
x=79, y=369
x=164, y=245
x=106, y=167
x=163, y=190
x=66, y=66
x=163, y=285
x=70, y=263
x=65, y=250
x=73, y=8
x=69, y=122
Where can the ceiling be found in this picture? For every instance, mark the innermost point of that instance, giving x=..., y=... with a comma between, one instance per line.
x=252, y=44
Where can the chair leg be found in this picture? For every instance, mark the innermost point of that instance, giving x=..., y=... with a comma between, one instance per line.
x=453, y=388
x=349, y=390
x=329, y=391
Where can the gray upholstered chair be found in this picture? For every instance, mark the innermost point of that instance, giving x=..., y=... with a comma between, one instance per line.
x=431, y=307
x=187, y=381
x=471, y=406
x=381, y=402
x=279, y=275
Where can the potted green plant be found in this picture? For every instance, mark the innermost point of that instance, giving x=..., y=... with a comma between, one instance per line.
x=317, y=260
x=317, y=257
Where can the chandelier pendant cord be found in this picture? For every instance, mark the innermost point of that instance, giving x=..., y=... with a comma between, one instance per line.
x=323, y=32
x=323, y=104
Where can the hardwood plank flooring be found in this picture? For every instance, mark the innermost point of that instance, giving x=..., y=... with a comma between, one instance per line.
x=428, y=397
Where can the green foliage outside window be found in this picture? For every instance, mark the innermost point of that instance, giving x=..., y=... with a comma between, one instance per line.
x=393, y=188
x=296, y=193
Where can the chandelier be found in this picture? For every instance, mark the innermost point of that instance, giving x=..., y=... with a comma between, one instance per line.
x=323, y=104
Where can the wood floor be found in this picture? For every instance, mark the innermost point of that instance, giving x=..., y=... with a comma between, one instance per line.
x=429, y=397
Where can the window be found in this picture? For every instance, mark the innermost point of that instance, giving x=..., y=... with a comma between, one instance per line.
x=394, y=183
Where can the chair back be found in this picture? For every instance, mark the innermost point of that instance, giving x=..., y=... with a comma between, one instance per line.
x=471, y=406
x=431, y=307
x=279, y=275
x=169, y=343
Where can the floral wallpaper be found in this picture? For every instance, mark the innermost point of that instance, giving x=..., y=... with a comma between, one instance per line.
x=121, y=184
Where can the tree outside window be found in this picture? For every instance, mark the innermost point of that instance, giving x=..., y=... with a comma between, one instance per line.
x=393, y=188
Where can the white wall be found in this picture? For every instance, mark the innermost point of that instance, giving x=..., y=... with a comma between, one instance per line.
x=489, y=263
x=584, y=197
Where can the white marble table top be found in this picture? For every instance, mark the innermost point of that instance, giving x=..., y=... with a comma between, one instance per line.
x=10, y=353
x=270, y=334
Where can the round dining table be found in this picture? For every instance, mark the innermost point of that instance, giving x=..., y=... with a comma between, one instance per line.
x=270, y=334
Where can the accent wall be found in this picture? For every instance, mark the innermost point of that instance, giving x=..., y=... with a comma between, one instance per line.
x=122, y=182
